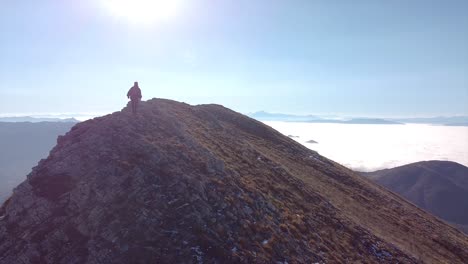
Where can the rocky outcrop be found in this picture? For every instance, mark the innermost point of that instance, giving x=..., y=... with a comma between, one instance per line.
x=203, y=184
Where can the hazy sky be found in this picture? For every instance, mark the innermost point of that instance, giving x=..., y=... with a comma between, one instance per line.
x=363, y=57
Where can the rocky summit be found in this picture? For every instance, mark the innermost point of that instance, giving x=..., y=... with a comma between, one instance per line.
x=202, y=184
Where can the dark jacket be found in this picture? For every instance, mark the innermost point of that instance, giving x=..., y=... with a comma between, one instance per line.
x=134, y=93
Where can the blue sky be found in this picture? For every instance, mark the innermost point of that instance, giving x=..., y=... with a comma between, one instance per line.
x=364, y=57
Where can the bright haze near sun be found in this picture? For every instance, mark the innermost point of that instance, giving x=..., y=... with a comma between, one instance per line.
x=143, y=12
x=362, y=58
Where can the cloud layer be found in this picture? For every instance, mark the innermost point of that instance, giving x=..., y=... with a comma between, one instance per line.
x=374, y=147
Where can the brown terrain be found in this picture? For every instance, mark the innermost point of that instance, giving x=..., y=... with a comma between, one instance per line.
x=203, y=184
x=440, y=187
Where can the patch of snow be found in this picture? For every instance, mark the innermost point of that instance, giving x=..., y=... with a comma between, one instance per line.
x=182, y=206
x=316, y=159
x=379, y=253
x=172, y=232
x=199, y=254
x=173, y=201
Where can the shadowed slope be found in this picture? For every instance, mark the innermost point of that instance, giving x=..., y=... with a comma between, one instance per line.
x=21, y=146
x=182, y=184
x=440, y=187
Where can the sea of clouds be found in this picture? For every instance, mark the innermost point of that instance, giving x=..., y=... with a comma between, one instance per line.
x=374, y=147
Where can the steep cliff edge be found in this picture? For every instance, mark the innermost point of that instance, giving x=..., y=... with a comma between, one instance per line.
x=184, y=184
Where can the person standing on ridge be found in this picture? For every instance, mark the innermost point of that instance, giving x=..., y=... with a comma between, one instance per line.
x=135, y=96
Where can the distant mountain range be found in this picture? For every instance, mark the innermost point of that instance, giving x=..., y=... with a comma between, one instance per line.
x=362, y=121
x=448, y=121
x=440, y=187
x=441, y=120
x=37, y=119
x=265, y=116
x=23, y=144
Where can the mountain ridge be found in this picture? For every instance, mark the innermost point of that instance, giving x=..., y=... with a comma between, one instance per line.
x=181, y=183
x=441, y=187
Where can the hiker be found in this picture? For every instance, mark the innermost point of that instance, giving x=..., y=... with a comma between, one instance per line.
x=135, y=95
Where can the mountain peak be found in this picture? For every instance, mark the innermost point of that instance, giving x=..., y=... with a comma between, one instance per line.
x=180, y=184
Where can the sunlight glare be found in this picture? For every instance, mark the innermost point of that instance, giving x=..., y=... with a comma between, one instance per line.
x=143, y=11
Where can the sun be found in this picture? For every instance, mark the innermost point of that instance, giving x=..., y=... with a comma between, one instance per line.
x=143, y=11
